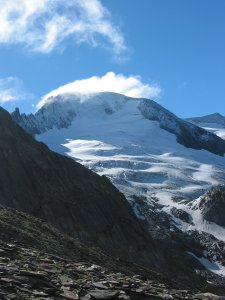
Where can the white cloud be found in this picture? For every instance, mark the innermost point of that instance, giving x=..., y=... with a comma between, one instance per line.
x=12, y=89
x=131, y=86
x=42, y=25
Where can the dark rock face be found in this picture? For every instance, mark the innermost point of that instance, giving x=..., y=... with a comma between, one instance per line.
x=189, y=135
x=68, y=196
x=213, y=205
x=45, y=118
x=163, y=228
x=214, y=248
x=27, y=122
x=180, y=214
x=23, y=229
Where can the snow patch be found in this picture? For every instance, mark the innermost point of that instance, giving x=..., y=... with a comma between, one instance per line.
x=214, y=267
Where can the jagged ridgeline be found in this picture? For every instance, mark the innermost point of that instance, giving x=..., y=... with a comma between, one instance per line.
x=59, y=112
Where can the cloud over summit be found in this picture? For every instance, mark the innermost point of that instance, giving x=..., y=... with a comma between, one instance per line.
x=131, y=86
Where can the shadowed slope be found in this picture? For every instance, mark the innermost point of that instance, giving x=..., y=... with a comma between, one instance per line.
x=75, y=200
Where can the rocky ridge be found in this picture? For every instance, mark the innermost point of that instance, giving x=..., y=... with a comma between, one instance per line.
x=187, y=134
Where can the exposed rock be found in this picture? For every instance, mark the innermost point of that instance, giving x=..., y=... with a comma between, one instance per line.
x=180, y=214
x=27, y=122
x=187, y=134
x=116, y=285
x=103, y=294
x=213, y=248
x=164, y=228
x=212, y=205
x=69, y=295
x=209, y=296
x=40, y=122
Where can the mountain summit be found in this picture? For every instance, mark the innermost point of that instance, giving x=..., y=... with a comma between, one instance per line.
x=60, y=111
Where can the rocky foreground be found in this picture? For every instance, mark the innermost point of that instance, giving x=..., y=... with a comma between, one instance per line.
x=26, y=273
x=38, y=262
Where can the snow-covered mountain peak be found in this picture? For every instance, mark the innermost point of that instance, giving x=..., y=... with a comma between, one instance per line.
x=90, y=99
x=62, y=110
x=96, y=105
x=217, y=115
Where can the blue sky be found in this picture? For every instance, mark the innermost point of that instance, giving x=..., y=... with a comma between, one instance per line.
x=170, y=50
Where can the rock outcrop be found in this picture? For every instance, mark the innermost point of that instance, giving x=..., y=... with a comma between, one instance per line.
x=181, y=214
x=212, y=205
x=187, y=134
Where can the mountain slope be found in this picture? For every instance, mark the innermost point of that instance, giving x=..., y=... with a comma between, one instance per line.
x=23, y=229
x=134, y=143
x=73, y=199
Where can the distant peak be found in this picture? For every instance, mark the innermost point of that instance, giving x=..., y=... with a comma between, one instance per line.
x=212, y=118
x=216, y=114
